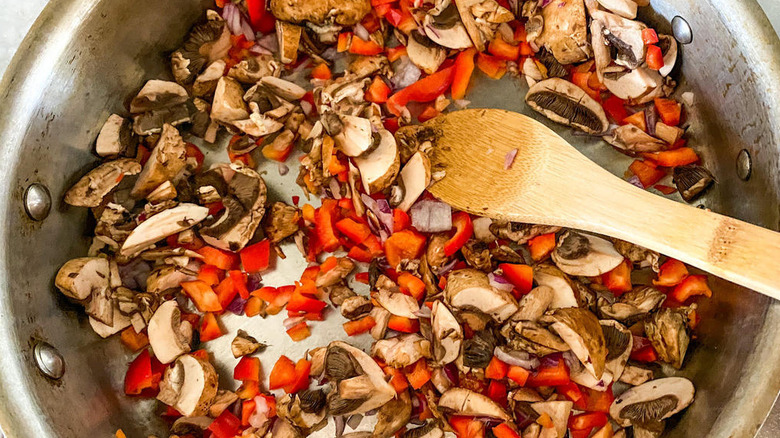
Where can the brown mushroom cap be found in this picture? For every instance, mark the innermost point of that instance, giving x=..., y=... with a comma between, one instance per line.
x=565, y=103
x=169, y=336
x=379, y=167
x=580, y=329
x=565, y=31
x=342, y=12
x=167, y=159
x=162, y=225
x=189, y=386
x=461, y=401
x=90, y=190
x=471, y=289
x=77, y=278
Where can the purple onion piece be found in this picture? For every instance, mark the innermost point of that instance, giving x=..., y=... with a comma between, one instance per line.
x=361, y=32
x=339, y=424
x=254, y=281
x=237, y=305
x=431, y=216
x=452, y=373
x=634, y=180
x=651, y=118
x=448, y=267
x=292, y=321
x=381, y=210
x=500, y=283
x=510, y=158
x=517, y=358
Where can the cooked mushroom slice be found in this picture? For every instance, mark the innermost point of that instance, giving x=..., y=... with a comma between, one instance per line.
x=632, y=85
x=533, y=305
x=646, y=405
x=167, y=159
x=363, y=66
x=116, y=138
x=283, y=88
x=77, y=278
x=478, y=350
x=281, y=222
x=632, y=139
x=164, y=192
x=430, y=429
x=90, y=190
x=341, y=12
x=585, y=255
x=206, y=43
x=343, y=362
x=244, y=209
x=565, y=31
x=222, y=401
x=382, y=318
x=403, y=350
x=446, y=29
x=355, y=136
x=162, y=225
x=558, y=411
x=398, y=303
x=283, y=429
x=692, y=181
x=635, y=375
x=191, y=425
x=157, y=94
x=619, y=341
x=394, y=415
x=447, y=334
x=625, y=36
x=168, y=277
x=668, y=47
x=565, y=103
x=356, y=307
x=169, y=336
x=518, y=232
x=559, y=282
x=291, y=408
x=288, y=37
x=471, y=289
x=477, y=255
x=379, y=167
x=120, y=321
x=623, y=8
x=580, y=329
x=189, y=386
x=338, y=293
x=250, y=70
x=415, y=177
x=638, y=255
x=228, y=104
x=243, y=344
x=461, y=401
x=633, y=304
x=533, y=338
x=343, y=267
x=424, y=53
x=667, y=330
x=206, y=82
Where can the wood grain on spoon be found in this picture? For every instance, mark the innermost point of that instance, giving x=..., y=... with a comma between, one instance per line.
x=551, y=183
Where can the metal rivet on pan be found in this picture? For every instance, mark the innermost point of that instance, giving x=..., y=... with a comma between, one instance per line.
x=744, y=165
x=682, y=30
x=49, y=360
x=37, y=201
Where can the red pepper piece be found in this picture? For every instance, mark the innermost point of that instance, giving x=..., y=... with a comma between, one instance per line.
x=570, y=390
x=323, y=224
x=261, y=19
x=464, y=229
x=519, y=375
x=541, y=246
x=464, y=68
x=672, y=273
x=299, y=331
x=615, y=108
x=588, y=421
x=248, y=368
x=550, y=374
x=378, y=91
x=426, y=89
x=355, y=231
x=256, y=257
x=649, y=36
x=301, y=380
x=647, y=174
x=412, y=285
x=467, y=427
x=618, y=280
x=504, y=430
x=419, y=374
x=359, y=46
x=496, y=369
x=493, y=67
x=595, y=401
x=222, y=259
x=139, y=374
x=401, y=220
x=359, y=326
x=693, y=285
x=654, y=58
x=321, y=71
x=673, y=158
x=497, y=392
x=210, y=275
x=209, y=328
x=282, y=374
x=406, y=244
x=204, y=297
x=226, y=425
x=403, y=325
x=521, y=276
x=669, y=110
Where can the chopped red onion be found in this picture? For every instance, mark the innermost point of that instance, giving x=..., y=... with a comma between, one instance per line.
x=406, y=73
x=254, y=281
x=447, y=267
x=381, y=210
x=306, y=107
x=246, y=29
x=354, y=421
x=257, y=49
x=433, y=30
x=283, y=169
x=452, y=373
x=339, y=424
x=331, y=54
x=361, y=32
x=424, y=312
x=431, y=216
x=634, y=180
x=509, y=159
x=303, y=66
x=571, y=360
x=506, y=32
x=269, y=42
x=517, y=358
x=292, y=321
x=651, y=118
x=237, y=305
x=500, y=283
x=335, y=188
x=260, y=416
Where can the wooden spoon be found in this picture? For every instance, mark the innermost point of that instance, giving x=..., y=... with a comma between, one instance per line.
x=551, y=183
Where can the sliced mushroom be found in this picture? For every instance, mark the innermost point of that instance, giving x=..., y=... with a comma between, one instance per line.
x=341, y=12
x=623, y=8
x=558, y=411
x=243, y=344
x=461, y=401
x=692, y=181
x=446, y=30
x=648, y=404
x=355, y=136
x=344, y=361
x=424, y=53
x=619, y=341
x=379, y=167
x=189, y=386
x=90, y=190
x=559, y=282
x=190, y=425
x=228, y=105
x=169, y=336
x=206, y=82
x=580, y=329
x=447, y=334
x=77, y=278
x=668, y=46
x=565, y=103
x=167, y=159
x=478, y=350
x=288, y=37
x=632, y=85
x=206, y=43
x=625, y=36
x=250, y=70
x=222, y=401
x=157, y=94
x=162, y=225
x=116, y=138
x=471, y=289
x=565, y=31
x=632, y=305
x=533, y=305
x=167, y=277
x=477, y=254
x=402, y=351
x=283, y=88
x=281, y=222
x=291, y=408
x=120, y=321
x=382, y=318
x=356, y=307
x=164, y=192
x=638, y=255
x=533, y=338
x=415, y=177
x=469, y=22
x=430, y=429
x=343, y=267
x=397, y=303
x=520, y=233
x=585, y=255
x=632, y=139
x=667, y=330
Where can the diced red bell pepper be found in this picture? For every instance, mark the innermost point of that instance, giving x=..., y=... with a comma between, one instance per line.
x=412, y=285
x=302, y=303
x=401, y=220
x=226, y=291
x=397, y=379
x=521, y=276
x=595, y=401
x=504, y=430
x=359, y=254
x=666, y=190
x=359, y=326
x=669, y=110
x=374, y=246
x=359, y=46
x=497, y=392
x=647, y=174
x=649, y=36
x=247, y=409
x=583, y=80
x=693, y=285
x=362, y=277
x=467, y=427
x=672, y=272
x=493, y=67
x=541, y=246
x=221, y=259
x=209, y=328
x=210, y=275
x=520, y=34
x=278, y=151
x=254, y=306
x=301, y=380
x=426, y=89
x=323, y=224
x=195, y=153
x=226, y=425
x=570, y=390
x=637, y=119
x=355, y=231
x=673, y=158
x=550, y=374
x=256, y=257
x=615, y=108
x=204, y=297
x=248, y=368
x=403, y=325
x=588, y=421
x=395, y=53
x=618, y=280
x=329, y=263
x=642, y=350
x=464, y=229
x=133, y=340
x=308, y=212
x=282, y=374
x=464, y=67
x=378, y=91
x=419, y=374
x=406, y=244
x=503, y=50
x=299, y=331
x=430, y=112
x=519, y=375
x=496, y=369
x=321, y=71
x=344, y=41
x=261, y=19
x=139, y=374
x=239, y=282
x=654, y=58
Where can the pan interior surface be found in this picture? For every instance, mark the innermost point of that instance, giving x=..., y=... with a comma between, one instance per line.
x=84, y=59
